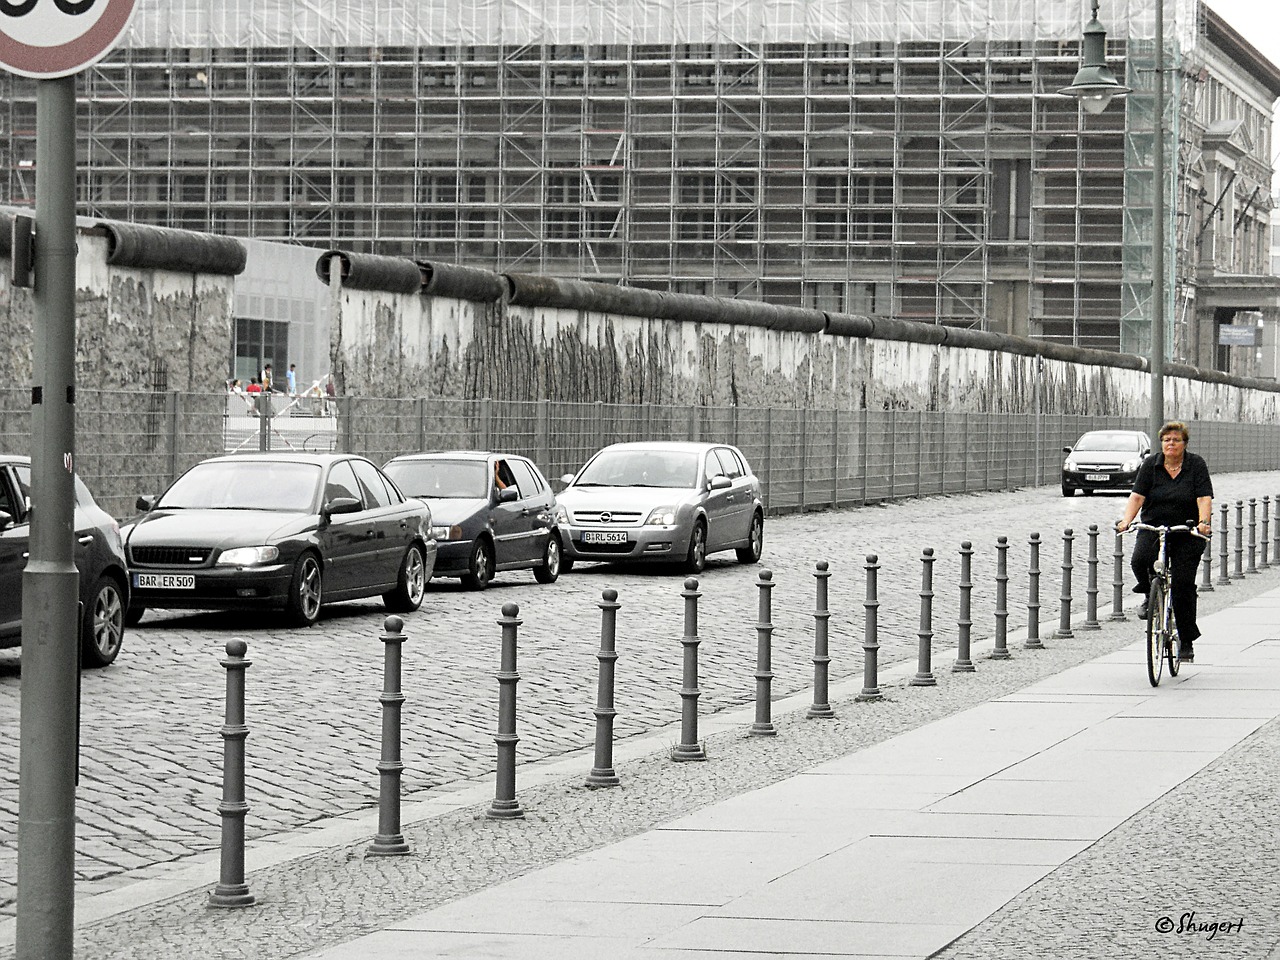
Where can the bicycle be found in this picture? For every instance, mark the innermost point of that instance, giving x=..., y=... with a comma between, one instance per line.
x=1162, y=638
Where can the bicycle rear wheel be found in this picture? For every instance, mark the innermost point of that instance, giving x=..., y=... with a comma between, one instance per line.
x=1155, y=632
x=1173, y=649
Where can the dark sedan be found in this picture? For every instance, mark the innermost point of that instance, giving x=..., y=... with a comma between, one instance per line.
x=104, y=586
x=1104, y=460
x=492, y=511
x=280, y=531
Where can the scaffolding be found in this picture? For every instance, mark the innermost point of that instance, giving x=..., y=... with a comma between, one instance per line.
x=902, y=158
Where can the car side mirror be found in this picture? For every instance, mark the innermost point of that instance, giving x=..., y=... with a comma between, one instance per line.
x=1066, y=449
x=567, y=478
x=720, y=482
x=145, y=503
x=6, y=519
x=508, y=495
x=341, y=505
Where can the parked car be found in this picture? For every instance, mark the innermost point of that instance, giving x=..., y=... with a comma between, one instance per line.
x=1104, y=460
x=491, y=511
x=662, y=501
x=290, y=531
x=99, y=553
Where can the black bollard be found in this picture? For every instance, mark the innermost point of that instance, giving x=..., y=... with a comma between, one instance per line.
x=924, y=668
x=390, y=841
x=689, y=748
x=821, y=660
x=1223, y=535
x=603, y=774
x=1117, y=581
x=964, y=625
x=1064, y=606
x=1206, y=568
x=870, y=641
x=505, y=806
x=1237, y=569
x=1033, y=596
x=231, y=890
x=763, y=726
x=1001, y=651
x=1253, y=535
x=1264, y=542
x=1275, y=545
x=1091, y=583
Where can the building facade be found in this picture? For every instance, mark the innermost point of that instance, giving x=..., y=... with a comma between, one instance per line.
x=902, y=159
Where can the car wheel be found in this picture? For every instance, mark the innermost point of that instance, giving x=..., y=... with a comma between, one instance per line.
x=551, y=562
x=751, y=552
x=410, y=585
x=102, y=629
x=133, y=616
x=696, y=561
x=480, y=571
x=305, y=591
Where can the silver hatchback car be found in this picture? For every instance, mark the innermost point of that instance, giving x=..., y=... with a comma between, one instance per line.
x=674, y=502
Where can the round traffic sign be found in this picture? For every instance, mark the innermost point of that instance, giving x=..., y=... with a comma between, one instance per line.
x=56, y=38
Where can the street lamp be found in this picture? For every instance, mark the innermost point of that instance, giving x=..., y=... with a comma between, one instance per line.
x=1095, y=86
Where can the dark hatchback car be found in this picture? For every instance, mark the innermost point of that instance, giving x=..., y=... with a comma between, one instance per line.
x=492, y=511
x=283, y=531
x=1104, y=460
x=104, y=585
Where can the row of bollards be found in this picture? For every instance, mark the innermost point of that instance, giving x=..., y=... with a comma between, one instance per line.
x=232, y=890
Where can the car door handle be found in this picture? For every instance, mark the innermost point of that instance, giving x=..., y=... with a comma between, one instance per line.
x=85, y=540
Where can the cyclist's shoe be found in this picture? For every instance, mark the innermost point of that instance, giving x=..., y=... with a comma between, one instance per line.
x=1143, y=611
x=1187, y=653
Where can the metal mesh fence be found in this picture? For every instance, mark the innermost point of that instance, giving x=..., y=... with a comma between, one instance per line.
x=136, y=442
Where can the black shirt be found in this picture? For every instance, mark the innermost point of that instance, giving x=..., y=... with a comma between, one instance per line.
x=1172, y=500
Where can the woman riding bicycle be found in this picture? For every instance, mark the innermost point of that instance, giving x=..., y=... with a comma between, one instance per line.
x=1172, y=487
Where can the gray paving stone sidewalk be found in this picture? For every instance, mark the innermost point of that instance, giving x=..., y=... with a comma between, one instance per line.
x=336, y=895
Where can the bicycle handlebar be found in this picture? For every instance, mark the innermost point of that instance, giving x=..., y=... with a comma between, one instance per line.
x=1188, y=527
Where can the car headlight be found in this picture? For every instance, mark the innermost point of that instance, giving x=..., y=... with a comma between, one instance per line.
x=1069, y=465
x=447, y=533
x=1131, y=465
x=561, y=515
x=661, y=517
x=248, y=556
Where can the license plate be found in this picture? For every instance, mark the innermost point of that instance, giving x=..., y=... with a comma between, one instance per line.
x=604, y=536
x=1097, y=476
x=164, y=581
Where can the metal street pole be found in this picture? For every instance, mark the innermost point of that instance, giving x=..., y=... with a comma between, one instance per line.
x=50, y=661
x=1157, y=239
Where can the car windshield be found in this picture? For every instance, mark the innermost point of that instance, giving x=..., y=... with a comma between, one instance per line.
x=443, y=479
x=1120, y=442
x=245, y=485
x=641, y=468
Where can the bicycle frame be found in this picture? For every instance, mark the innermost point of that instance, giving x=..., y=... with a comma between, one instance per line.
x=1162, y=641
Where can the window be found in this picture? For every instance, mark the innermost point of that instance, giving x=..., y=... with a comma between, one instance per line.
x=375, y=491
x=342, y=483
x=871, y=207
x=526, y=482
x=729, y=464
x=1010, y=200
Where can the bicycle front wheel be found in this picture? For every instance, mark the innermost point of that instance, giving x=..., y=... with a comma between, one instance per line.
x=1155, y=631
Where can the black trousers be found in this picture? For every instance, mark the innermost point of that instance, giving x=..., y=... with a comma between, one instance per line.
x=1184, y=552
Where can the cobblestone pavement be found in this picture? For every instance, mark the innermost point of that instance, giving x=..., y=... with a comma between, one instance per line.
x=151, y=753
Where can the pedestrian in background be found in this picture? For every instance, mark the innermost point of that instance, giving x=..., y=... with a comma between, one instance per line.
x=291, y=379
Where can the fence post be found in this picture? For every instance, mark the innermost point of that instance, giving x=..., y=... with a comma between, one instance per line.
x=1237, y=570
x=1224, y=579
x=263, y=403
x=821, y=660
x=1033, y=595
x=1091, y=583
x=835, y=457
x=870, y=641
x=1064, y=608
x=763, y=726
x=1264, y=540
x=1117, y=581
x=172, y=403
x=505, y=806
x=344, y=432
x=964, y=663
x=420, y=415
x=390, y=841
x=1253, y=535
x=689, y=748
x=1001, y=651
x=804, y=458
x=231, y=890
x=924, y=668
x=603, y=774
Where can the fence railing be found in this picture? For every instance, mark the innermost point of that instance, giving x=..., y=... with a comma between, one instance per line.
x=129, y=443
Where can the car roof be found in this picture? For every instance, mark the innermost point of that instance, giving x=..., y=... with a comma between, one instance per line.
x=1114, y=433
x=320, y=459
x=14, y=458
x=455, y=455
x=688, y=446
